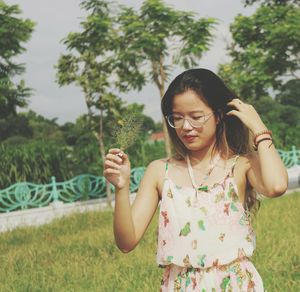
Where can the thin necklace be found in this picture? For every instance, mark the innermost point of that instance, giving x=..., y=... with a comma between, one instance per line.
x=202, y=187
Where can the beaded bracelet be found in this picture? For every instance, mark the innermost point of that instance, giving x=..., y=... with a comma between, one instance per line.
x=255, y=146
x=269, y=132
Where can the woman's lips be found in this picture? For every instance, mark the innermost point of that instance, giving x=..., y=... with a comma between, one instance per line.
x=189, y=138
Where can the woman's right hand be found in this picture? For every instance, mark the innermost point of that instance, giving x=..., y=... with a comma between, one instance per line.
x=117, y=168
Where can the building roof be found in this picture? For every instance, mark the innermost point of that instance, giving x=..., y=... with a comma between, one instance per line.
x=159, y=136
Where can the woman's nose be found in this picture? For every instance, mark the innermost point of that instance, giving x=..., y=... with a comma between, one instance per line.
x=186, y=124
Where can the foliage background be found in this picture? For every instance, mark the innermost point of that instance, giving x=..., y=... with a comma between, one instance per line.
x=264, y=71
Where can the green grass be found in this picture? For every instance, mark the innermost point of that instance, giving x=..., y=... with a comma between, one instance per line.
x=277, y=255
x=78, y=254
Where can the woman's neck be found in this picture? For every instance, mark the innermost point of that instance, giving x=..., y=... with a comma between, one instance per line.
x=202, y=156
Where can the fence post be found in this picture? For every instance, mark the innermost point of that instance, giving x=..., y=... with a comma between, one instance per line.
x=55, y=194
x=294, y=155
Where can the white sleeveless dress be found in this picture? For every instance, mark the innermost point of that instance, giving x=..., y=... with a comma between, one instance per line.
x=205, y=239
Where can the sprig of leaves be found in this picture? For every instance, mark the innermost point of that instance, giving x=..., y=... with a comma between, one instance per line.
x=127, y=130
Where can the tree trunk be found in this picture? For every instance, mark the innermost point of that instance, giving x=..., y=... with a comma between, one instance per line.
x=99, y=136
x=165, y=130
x=162, y=92
x=102, y=153
x=159, y=77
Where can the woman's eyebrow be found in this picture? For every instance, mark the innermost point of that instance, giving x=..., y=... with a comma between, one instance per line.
x=191, y=112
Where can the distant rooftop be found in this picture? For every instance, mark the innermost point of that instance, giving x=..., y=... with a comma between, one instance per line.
x=159, y=136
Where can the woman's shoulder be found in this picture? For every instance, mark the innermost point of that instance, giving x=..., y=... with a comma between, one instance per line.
x=155, y=163
x=160, y=165
x=156, y=170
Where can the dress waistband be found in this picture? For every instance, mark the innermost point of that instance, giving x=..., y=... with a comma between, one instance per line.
x=216, y=265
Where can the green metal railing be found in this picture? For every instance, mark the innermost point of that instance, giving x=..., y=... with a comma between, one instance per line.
x=25, y=195
x=290, y=158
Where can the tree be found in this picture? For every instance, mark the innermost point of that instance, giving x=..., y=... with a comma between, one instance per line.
x=270, y=2
x=289, y=99
x=84, y=146
x=88, y=65
x=14, y=125
x=265, y=49
x=43, y=128
x=107, y=55
x=14, y=33
x=289, y=93
x=265, y=63
x=155, y=38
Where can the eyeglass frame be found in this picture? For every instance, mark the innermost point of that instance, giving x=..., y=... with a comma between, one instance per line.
x=189, y=120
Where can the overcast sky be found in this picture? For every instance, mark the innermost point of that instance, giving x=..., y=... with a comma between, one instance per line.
x=56, y=18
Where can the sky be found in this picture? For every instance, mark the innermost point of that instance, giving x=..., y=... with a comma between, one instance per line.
x=56, y=18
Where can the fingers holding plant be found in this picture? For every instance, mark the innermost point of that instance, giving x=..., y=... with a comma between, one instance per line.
x=247, y=114
x=117, y=164
x=117, y=168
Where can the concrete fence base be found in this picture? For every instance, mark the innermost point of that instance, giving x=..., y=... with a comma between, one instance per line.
x=43, y=215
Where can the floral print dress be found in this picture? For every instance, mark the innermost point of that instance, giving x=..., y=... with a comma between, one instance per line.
x=205, y=239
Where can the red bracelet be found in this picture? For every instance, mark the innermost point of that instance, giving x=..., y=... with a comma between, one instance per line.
x=263, y=139
x=269, y=132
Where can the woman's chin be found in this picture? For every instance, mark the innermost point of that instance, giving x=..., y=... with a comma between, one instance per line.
x=195, y=146
x=192, y=146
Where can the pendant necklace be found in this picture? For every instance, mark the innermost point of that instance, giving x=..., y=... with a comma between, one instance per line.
x=202, y=187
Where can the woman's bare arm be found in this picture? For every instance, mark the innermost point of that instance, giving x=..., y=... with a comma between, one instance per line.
x=131, y=222
x=266, y=172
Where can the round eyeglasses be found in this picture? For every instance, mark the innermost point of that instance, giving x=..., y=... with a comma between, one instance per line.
x=177, y=121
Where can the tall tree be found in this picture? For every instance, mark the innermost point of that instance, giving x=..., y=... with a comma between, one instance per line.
x=108, y=54
x=265, y=63
x=155, y=39
x=265, y=50
x=14, y=33
x=289, y=93
x=89, y=65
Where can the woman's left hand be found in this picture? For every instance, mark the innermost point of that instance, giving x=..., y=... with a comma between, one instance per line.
x=247, y=114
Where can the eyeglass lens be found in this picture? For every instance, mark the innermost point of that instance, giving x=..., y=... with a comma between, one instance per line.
x=177, y=121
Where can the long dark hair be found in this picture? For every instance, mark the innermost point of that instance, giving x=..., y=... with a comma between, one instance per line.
x=232, y=137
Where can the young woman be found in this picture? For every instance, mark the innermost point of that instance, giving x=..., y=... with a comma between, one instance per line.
x=205, y=190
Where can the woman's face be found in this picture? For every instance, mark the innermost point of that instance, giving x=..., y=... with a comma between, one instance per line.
x=190, y=106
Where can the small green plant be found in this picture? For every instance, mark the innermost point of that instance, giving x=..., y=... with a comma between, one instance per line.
x=127, y=130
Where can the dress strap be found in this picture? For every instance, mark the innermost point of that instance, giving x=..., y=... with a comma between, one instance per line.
x=167, y=168
x=233, y=165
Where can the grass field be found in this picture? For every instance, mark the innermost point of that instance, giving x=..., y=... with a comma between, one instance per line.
x=78, y=254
